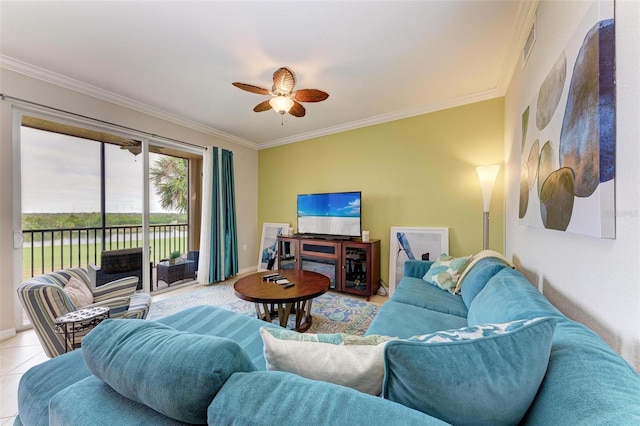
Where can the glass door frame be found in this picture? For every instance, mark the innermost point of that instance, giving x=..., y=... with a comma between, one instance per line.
x=17, y=112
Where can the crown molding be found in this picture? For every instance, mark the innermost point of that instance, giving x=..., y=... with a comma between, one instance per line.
x=385, y=118
x=33, y=71
x=522, y=25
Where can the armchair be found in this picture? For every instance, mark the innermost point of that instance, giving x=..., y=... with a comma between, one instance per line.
x=116, y=264
x=44, y=299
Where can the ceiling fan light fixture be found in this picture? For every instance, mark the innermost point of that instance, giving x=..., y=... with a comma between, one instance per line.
x=281, y=104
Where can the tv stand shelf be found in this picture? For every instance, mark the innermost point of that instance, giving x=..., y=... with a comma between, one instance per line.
x=353, y=266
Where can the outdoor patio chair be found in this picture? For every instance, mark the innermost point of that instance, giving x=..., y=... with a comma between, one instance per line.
x=116, y=264
x=44, y=299
x=195, y=256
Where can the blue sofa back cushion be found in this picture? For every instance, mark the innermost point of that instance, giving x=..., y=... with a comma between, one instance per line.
x=476, y=375
x=280, y=398
x=587, y=382
x=478, y=276
x=175, y=373
x=416, y=268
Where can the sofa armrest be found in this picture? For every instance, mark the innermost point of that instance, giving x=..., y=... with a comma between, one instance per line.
x=416, y=268
x=118, y=306
x=123, y=287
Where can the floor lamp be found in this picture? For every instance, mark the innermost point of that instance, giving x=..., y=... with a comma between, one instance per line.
x=487, y=176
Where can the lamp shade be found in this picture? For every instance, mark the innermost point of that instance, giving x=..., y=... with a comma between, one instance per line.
x=281, y=104
x=487, y=176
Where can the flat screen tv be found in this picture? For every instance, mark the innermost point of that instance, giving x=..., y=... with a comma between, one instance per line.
x=334, y=214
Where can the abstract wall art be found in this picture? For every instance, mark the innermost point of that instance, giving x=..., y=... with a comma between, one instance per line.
x=567, y=169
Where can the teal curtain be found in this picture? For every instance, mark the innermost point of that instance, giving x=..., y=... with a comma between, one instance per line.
x=229, y=215
x=216, y=261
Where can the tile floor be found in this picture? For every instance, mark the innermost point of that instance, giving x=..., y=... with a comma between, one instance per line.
x=23, y=351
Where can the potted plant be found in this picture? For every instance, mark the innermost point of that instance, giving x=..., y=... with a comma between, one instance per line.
x=173, y=256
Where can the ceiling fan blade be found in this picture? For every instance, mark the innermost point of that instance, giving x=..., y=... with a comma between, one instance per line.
x=310, y=95
x=283, y=80
x=262, y=106
x=297, y=110
x=251, y=88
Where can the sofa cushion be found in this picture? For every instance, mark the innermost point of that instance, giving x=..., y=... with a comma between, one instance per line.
x=281, y=398
x=402, y=320
x=343, y=359
x=479, y=375
x=416, y=268
x=416, y=292
x=445, y=272
x=175, y=373
x=41, y=382
x=509, y=296
x=477, y=275
x=92, y=401
x=215, y=321
x=586, y=381
x=477, y=258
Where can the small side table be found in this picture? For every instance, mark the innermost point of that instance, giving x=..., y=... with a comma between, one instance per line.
x=78, y=321
x=178, y=271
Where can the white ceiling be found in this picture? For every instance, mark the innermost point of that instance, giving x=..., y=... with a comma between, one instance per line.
x=378, y=60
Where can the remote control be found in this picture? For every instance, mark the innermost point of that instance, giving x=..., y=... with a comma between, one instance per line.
x=274, y=278
x=282, y=281
x=288, y=285
x=266, y=277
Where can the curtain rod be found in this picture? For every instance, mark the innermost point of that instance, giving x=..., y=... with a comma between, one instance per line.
x=5, y=97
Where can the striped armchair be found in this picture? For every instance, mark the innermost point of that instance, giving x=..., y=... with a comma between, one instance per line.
x=44, y=299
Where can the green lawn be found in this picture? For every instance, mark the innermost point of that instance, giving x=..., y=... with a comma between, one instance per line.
x=48, y=258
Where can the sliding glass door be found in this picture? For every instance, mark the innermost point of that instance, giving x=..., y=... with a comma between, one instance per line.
x=82, y=190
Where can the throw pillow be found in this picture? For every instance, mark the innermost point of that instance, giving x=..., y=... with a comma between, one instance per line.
x=78, y=292
x=343, y=359
x=446, y=270
x=487, y=374
x=174, y=372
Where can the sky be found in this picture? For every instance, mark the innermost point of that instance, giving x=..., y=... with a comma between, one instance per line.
x=342, y=204
x=61, y=174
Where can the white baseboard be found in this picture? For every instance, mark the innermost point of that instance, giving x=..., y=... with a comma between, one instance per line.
x=249, y=269
x=7, y=334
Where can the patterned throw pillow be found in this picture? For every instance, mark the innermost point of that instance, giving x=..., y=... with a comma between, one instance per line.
x=473, y=332
x=446, y=270
x=353, y=361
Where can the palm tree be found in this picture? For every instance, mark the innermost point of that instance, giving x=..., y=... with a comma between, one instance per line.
x=169, y=177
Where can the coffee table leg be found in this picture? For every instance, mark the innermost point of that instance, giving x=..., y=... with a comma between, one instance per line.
x=266, y=314
x=284, y=310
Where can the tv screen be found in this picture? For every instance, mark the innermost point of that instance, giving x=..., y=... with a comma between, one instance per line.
x=335, y=213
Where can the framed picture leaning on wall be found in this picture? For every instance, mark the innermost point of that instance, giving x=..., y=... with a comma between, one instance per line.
x=414, y=243
x=268, y=257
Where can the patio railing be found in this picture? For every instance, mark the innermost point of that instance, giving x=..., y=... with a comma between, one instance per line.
x=47, y=250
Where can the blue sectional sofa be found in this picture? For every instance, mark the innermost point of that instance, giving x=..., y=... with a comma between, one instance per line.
x=550, y=370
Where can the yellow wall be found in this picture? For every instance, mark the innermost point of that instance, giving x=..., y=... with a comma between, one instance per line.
x=417, y=172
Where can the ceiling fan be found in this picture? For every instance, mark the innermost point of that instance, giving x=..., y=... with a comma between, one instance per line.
x=283, y=98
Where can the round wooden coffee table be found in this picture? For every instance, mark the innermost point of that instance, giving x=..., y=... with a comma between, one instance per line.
x=273, y=299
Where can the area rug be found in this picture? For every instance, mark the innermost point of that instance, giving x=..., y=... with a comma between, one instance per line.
x=332, y=312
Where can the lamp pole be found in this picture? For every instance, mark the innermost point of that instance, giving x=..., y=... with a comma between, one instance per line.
x=487, y=176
